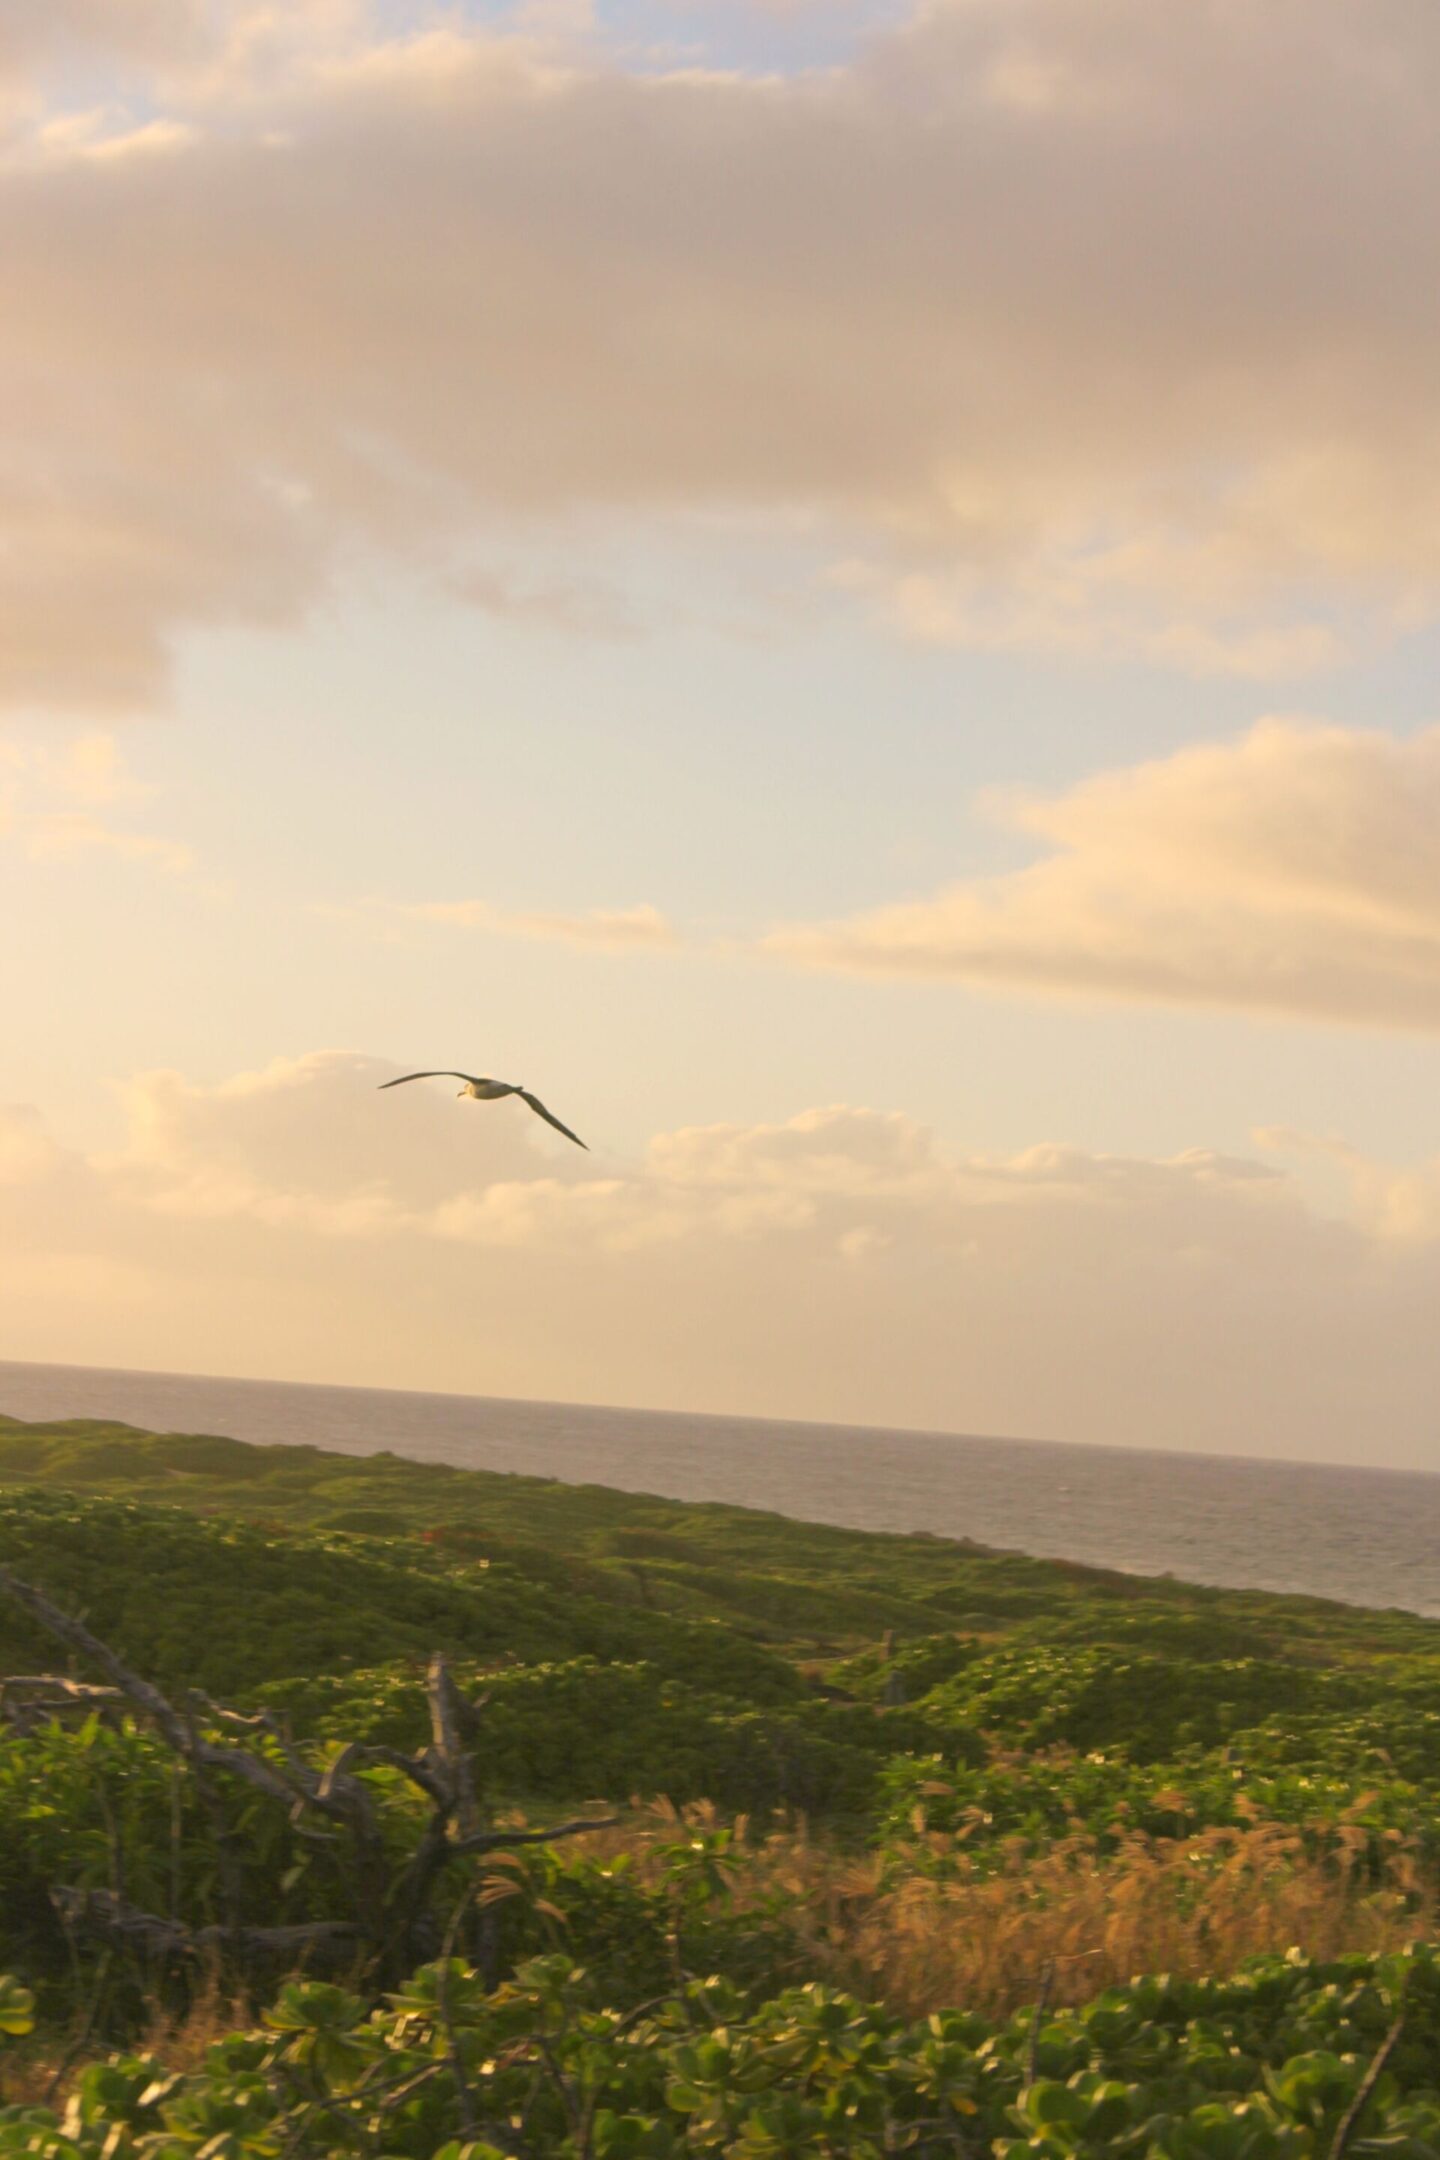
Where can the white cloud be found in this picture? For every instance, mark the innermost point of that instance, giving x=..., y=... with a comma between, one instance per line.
x=93, y=769
x=41, y=786
x=1293, y=872
x=27, y=1153
x=314, y=1135
x=839, y=1263
x=1106, y=327
x=61, y=836
x=610, y=929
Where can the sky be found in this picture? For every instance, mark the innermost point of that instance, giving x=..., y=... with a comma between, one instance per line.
x=847, y=589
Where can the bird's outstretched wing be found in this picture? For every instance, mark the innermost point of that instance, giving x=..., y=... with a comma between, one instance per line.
x=540, y=1111
x=426, y=1076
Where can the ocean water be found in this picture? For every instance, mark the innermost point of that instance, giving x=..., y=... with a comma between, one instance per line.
x=1370, y=1537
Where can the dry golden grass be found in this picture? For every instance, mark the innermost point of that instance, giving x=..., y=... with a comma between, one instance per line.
x=1186, y=1906
x=180, y=2041
x=934, y=1926
x=942, y=1928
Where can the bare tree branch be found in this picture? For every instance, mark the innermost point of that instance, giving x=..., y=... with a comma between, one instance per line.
x=1350, y=2121
x=78, y=1637
x=447, y=1748
x=104, y=1913
x=392, y=1898
x=30, y=1700
x=496, y=1840
x=335, y=1793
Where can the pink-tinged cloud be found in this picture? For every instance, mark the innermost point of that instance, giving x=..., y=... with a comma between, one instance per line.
x=1294, y=872
x=1108, y=328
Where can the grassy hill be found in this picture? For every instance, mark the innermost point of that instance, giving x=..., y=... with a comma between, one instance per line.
x=763, y=1574
x=936, y=1778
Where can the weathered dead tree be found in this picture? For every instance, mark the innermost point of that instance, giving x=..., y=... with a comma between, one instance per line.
x=393, y=1925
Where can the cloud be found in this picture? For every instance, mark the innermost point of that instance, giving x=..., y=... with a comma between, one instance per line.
x=839, y=1263
x=1104, y=328
x=27, y=1153
x=93, y=769
x=37, y=34
x=1293, y=872
x=198, y=49
x=307, y=1140
x=575, y=607
x=609, y=929
x=1397, y=1202
x=1093, y=603
x=41, y=786
x=62, y=836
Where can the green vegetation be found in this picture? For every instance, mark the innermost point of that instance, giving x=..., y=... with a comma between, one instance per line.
x=875, y=1795
x=1265, y=2065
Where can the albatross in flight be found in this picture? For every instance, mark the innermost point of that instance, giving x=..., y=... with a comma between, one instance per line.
x=483, y=1090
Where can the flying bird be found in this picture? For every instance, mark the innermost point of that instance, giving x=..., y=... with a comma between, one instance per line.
x=483, y=1090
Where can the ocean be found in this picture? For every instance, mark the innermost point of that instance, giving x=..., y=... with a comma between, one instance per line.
x=1369, y=1537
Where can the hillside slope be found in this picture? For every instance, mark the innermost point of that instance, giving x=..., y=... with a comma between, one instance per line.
x=937, y=1777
